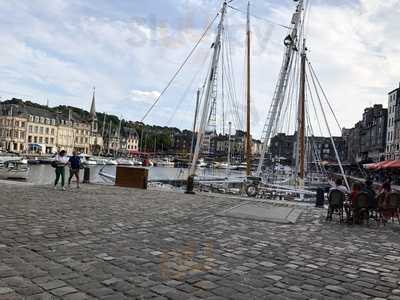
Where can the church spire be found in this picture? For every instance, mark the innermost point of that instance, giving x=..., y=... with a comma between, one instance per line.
x=93, y=106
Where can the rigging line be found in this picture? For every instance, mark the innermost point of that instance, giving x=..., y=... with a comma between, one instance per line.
x=232, y=105
x=311, y=129
x=313, y=74
x=313, y=104
x=232, y=92
x=307, y=17
x=180, y=67
x=196, y=75
x=330, y=134
x=259, y=18
x=290, y=90
x=232, y=77
x=223, y=89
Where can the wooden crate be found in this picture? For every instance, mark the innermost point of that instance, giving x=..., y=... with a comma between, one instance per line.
x=132, y=177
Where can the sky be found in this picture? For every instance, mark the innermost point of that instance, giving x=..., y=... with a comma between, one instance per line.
x=57, y=50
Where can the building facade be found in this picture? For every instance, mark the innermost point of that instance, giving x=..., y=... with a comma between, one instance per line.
x=393, y=135
x=34, y=129
x=367, y=140
x=12, y=129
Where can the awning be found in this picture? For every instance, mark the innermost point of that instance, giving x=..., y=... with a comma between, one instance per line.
x=383, y=165
x=35, y=145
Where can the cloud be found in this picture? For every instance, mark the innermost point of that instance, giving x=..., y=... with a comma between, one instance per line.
x=58, y=51
x=143, y=97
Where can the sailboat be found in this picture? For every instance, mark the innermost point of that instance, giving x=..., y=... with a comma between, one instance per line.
x=308, y=172
x=294, y=74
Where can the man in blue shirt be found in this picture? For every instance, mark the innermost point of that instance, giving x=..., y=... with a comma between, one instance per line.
x=74, y=167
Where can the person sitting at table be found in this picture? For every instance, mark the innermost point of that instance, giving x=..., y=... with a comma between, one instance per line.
x=368, y=188
x=339, y=186
x=355, y=190
x=384, y=191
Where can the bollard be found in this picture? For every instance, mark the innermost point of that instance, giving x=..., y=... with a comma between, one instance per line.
x=190, y=185
x=320, y=198
x=86, y=175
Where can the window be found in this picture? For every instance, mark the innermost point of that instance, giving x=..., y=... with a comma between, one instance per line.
x=22, y=124
x=86, y=140
x=51, y=140
x=22, y=135
x=35, y=139
x=36, y=129
x=30, y=139
x=41, y=120
x=53, y=122
x=31, y=118
x=41, y=130
x=47, y=130
x=40, y=140
x=36, y=119
x=52, y=131
x=46, y=140
x=30, y=129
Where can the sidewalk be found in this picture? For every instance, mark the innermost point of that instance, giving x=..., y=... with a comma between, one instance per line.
x=104, y=242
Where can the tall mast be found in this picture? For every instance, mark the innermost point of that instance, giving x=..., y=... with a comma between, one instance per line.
x=248, y=134
x=103, y=131
x=119, y=134
x=210, y=81
x=229, y=149
x=109, y=137
x=195, y=122
x=281, y=86
x=301, y=118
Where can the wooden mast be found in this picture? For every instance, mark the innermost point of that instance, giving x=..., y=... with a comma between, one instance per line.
x=302, y=96
x=248, y=95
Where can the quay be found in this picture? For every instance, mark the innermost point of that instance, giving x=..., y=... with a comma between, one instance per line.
x=103, y=242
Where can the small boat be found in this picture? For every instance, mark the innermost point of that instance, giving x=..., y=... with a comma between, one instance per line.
x=124, y=162
x=111, y=162
x=87, y=161
x=14, y=169
x=165, y=162
x=136, y=162
x=202, y=164
x=46, y=160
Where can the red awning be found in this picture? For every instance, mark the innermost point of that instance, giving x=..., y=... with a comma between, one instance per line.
x=394, y=164
x=383, y=165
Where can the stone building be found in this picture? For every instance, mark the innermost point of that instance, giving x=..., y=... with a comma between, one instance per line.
x=12, y=129
x=283, y=146
x=129, y=140
x=392, y=150
x=30, y=128
x=41, y=131
x=366, y=141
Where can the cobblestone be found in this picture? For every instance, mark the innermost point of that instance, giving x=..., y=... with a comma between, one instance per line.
x=112, y=243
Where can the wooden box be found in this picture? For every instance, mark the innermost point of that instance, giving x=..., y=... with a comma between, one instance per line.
x=132, y=177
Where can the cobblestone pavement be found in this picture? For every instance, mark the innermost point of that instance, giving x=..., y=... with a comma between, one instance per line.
x=113, y=243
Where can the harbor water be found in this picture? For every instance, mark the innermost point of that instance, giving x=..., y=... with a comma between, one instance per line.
x=44, y=174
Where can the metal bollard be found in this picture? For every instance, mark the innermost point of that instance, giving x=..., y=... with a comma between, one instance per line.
x=86, y=175
x=320, y=198
x=190, y=185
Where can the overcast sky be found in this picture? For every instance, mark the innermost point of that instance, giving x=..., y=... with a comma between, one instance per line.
x=129, y=49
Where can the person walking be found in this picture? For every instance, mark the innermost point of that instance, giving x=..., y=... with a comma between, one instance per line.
x=74, y=167
x=60, y=162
